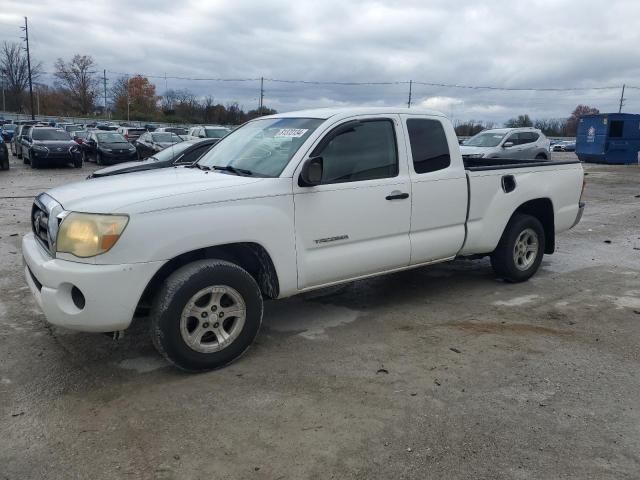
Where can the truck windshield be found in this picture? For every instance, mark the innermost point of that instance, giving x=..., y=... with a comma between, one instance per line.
x=262, y=147
x=487, y=139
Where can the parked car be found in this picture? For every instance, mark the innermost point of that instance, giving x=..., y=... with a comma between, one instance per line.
x=565, y=146
x=131, y=133
x=80, y=136
x=7, y=131
x=520, y=143
x=15, y=140
x=151, y=143
x=73, y=128
x=177, y=130
x=208, y=132
x=183, y=153
x=285, y=204
x=106, y=126
x=106, y=148
x=46, y=146
x=24, y=131
x=4, y=155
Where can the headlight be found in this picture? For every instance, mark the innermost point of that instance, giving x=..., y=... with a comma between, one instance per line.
x=475, y=155
x=108, y=150
x=87, y=234
x=73, y=149
x=40, y=148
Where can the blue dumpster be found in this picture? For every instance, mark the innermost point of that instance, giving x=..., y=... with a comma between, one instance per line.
x=608, y=138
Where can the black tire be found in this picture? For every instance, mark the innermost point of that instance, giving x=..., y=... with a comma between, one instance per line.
x=35, y=163
x=18, y=154
x=176, y=292
x=5, y=163
x=84, y=157
x=506, y=262
x=541, y=156
x=99, y=158
x=78, y=162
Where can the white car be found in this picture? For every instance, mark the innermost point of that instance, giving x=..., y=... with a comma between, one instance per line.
x=514, y=143
x=285, y=204
x=205, y=131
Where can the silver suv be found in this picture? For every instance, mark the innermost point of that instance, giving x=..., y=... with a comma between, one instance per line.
x=520, y=143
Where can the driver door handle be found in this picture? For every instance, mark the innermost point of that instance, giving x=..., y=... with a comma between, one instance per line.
x=397, y=195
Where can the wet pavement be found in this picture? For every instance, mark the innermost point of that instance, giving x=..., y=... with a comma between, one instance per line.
x=440, y=372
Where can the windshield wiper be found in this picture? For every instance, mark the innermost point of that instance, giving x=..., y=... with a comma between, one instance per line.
x=229, y=168
x=197, y=165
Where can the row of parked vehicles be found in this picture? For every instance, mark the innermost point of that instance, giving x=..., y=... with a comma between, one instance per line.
x=41, y=144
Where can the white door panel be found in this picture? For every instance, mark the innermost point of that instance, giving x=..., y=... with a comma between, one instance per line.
x=349, y=232
x=438, y=198
x=350, y=229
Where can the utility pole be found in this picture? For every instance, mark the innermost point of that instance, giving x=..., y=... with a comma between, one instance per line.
x=128, y=101
x=26, y=38
x=621, y=99
x=104, y=80
x=261, y=95
x=38, y=100
x=4, y=106
x=410, y=85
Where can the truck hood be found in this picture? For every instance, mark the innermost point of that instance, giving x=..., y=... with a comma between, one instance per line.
x=144, y=190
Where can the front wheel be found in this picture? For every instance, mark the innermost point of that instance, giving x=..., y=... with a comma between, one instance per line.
x=206, y=315
x=520, y=250
x=5, y=163
x=99, y=159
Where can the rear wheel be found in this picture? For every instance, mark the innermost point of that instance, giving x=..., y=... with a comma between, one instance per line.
x=541, y=156
x=206, y=315
x=5, y=163
x=520, y=250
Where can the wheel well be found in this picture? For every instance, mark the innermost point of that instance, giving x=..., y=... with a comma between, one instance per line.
x=542, y=209
x=542, y=155
x=250, y=256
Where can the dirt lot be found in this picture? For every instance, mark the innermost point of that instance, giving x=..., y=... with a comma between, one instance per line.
x=440, y=372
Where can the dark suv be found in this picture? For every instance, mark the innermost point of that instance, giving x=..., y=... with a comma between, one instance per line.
x=49, y=146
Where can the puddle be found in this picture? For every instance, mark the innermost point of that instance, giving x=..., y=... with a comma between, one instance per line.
x=309, y=319
x=517, y=301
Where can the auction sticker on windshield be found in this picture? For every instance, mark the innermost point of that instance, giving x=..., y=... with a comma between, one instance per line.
x=291, y=132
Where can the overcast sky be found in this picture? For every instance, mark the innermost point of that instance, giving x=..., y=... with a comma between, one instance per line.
x=541, y=44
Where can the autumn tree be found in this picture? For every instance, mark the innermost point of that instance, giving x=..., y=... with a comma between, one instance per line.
x=78, y=78
x=135, y=98
x=15, y=71
x=574, y=118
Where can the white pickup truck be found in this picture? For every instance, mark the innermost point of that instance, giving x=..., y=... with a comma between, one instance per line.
x=282, y=205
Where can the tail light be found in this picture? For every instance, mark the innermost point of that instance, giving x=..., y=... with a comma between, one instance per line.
x=126, y=135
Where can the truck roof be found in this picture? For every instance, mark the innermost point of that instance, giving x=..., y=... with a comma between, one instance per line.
x=324, y=113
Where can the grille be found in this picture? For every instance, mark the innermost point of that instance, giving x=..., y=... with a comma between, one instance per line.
x=40, y=224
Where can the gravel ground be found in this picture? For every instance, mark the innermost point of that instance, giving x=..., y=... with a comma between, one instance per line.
x=439, y=372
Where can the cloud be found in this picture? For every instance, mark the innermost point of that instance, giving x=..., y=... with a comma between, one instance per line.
x=441, y=103
x=540, y=43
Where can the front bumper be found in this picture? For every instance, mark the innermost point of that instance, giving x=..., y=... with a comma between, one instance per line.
x=117, y=157
x=110, y=292
x=581, y=206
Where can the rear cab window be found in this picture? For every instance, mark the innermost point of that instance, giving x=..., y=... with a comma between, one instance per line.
x=429, y=146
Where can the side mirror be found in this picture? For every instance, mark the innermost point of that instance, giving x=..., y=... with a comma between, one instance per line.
x=507, y=144
x=311, y=174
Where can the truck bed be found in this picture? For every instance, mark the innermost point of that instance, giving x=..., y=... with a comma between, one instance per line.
x=481, y=164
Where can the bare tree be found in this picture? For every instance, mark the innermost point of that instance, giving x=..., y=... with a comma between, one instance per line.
x=14, y=69
x=79, y=78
